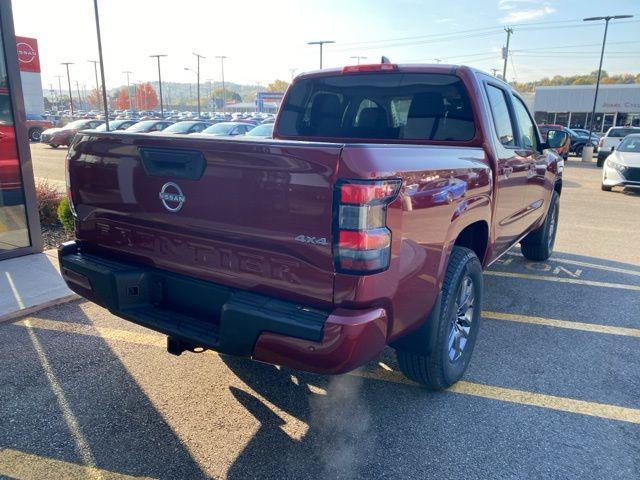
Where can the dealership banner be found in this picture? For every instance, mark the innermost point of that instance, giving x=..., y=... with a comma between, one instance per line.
x=29, y=65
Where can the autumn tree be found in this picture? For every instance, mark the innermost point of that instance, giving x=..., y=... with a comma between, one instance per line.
x=122, y=102
x=277, y=86
x=146, y=98
x=95, y=98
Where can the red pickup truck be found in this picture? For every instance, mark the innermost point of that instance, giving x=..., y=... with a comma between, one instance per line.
x=365, y=222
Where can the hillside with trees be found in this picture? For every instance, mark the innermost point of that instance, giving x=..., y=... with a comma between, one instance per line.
x=589, y=79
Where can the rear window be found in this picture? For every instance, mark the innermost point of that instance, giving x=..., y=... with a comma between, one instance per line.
x=622, y=132
x=388, y=106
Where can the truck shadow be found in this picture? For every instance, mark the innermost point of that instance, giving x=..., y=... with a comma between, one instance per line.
x=71, y=399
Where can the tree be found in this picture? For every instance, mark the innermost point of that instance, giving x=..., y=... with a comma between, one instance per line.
x=95, y=98
x=146, y=98
x=122, y=102
x=231, y=95
x=277, y=86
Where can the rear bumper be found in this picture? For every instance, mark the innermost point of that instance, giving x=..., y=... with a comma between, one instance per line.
x=236, y=322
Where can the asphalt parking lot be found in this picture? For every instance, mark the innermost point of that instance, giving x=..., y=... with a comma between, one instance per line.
x=552, y=390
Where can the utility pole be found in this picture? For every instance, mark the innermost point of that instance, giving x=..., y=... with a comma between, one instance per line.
x=104, y=85
x=358, y=58
x=505, y=53
x=157, y=56
x=78, y=90
x=198, y=56
x=224, y=88
x=127, y=72
x=95, y=70
x=66, y=64
x=587, y=156
x=320, y=43
x=210, y=82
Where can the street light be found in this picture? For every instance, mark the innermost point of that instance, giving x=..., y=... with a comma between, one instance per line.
x=358, y=58
x=224, y=89
x=587, y=151
x=198, y=56
x=189, y=69
x=66, y=64
x=320, y=43
x=157, y=56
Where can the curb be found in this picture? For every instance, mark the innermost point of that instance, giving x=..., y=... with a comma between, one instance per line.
x=36, y=308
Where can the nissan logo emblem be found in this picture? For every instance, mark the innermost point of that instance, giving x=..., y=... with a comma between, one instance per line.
x=172, y=197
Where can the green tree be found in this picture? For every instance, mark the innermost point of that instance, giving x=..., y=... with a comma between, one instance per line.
x=277, y=86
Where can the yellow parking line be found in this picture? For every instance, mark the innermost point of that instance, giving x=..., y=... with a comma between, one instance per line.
x=551, y=402
x=552, y=322
x=600, y=410
x=585, y=264
x=26, y=466
x=574, y=281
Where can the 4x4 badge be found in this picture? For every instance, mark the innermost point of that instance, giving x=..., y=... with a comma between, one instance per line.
x=172, y=197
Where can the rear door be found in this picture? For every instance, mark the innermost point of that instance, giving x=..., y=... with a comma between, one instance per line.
x=254, y=215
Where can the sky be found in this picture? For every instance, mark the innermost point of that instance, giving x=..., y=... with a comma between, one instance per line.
x=266, y=40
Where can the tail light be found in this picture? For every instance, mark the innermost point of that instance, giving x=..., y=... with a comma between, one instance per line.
x=67, y=179
x=601, y=142
x=370, y=67
x=363, y=241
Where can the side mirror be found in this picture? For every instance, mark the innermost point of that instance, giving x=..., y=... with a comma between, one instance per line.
x=556, y=138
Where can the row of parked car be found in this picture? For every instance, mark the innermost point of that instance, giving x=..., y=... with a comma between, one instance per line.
x=55, y=137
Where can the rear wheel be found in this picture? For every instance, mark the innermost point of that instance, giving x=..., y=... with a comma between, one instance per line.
x=578, y=151
x=538, y=245
x=600, y=161
x=34, y=134
x=605, y=188
x=443, y=358
x=52, y=145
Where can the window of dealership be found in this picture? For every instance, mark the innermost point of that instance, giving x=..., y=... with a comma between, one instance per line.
x=571, y=106
x=19, y=223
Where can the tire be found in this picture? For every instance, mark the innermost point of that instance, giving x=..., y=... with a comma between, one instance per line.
x=53, y=145
x=538, y=245
x=600, y=161
x=605, y=188
x=34, y=134
x=578, y=151
x=437, y=364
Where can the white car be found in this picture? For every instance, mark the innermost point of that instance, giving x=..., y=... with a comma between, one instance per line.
x=622, y=166
x=611, y=139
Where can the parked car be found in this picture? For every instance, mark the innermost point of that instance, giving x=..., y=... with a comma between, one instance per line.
x=147, y=126
x=184, y=128
x=564, y=149
x=261, y=131
x=311, y=252
x=36, y=124
x=228, y=129
x=622, y=166
x=115, y=125
x=54, y=137
x=611, y=139
x=578, y=142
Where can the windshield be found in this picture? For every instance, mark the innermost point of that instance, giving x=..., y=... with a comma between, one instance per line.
x=113, y=125
x=180, y=127
x=219, y=129
x=261, y=131
x=141, y=126
x=630, y=144
x=622, y=132
x=392, y=106
x=75, y=125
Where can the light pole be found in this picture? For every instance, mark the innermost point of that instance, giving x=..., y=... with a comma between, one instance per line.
x=358, y=58
x=127, y=73
x=157, y=56
x=66, y=64
x=95, y=70
x=587, y=150
x=190, y=89
x=224, y=89
x=210, y=82
x=104, y=85
x=320, y=43
x=198, y=56
x=59, y=77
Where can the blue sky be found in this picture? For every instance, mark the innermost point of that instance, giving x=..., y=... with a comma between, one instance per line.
x=265, y=40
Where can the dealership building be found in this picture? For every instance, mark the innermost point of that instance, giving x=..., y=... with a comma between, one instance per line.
x=571, y=106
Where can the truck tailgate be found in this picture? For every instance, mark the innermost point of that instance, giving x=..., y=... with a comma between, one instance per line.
x=255, y=215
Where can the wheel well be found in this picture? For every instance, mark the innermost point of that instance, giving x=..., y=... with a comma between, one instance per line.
x=558, y=186
x=475, y=237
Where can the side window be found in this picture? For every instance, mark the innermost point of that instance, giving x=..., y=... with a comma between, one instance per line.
x=501, y=116
x=526, y=127
x=198, y=127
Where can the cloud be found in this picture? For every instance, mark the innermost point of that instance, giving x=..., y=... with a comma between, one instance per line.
x=512, y=4
x=517, y=15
